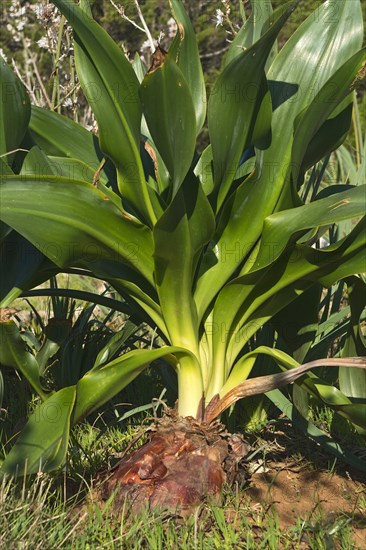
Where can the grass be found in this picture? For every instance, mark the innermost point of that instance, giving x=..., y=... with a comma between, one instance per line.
x=36, y=515
x=58, y=511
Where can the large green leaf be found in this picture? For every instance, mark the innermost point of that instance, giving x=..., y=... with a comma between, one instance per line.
x=240, y=298
x=111, y=88
x=335, y=90
x=329, y=137
x=249, y=301
x=14, y=353
x=243, y=40
x=305, y=266
x=298, y=331
x=237, y=383
x=351, y=382
x=299, y=71
x=59, y=136
x=132, y=286
x=37, y=164
x=180, y=236
x=280, y=227
x=42, y=444
x=103, y=382
x=237, y=387
x=173, y=124
x=80, y=228
x=257, y=23
x=23, y=266
x=337, y=29
x=334, y=398
x=185, y=48
x=234, y=105
x=14, y=112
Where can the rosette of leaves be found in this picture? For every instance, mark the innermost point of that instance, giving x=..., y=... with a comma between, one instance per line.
x=207, y=249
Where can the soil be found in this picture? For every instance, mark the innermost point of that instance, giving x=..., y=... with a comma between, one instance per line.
x=296, y=479
x=317, y=497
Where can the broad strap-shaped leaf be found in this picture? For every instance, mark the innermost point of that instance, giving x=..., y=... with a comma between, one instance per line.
x=299, y=71
x=37, y=164
x=111, y=88
x=244, y=38
x=280, y=227
x=251, y=300
x=42, y=444
x=252, y=29
x=355, y=412
x=23, y=266
x=283, y=226
x=337, y=29
x=14, y=112
x=141, y=297
x=104, y=301
x=335, y=90
x=185, y=49
x=179, y=237
x=169, y=112
x=72, y=150
x=329, y=394
x=14, y=353
x=298, y=331
x=352, y=383
x=234, y=106
x=59, y=136
x=345, y=258
x=81, y=227
x=102, y=383
x=328, y=138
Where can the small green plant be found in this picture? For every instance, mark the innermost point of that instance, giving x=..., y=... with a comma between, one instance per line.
x=206, y=249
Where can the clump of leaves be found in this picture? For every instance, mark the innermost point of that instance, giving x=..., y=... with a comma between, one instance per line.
x=207, y=249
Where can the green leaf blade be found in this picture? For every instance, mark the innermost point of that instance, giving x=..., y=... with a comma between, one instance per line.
x=68, y=231
x=234, y=106
x=14, y=112
x=42, y=444
x=173, y=125
x=185, y=48
x=111, y=87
